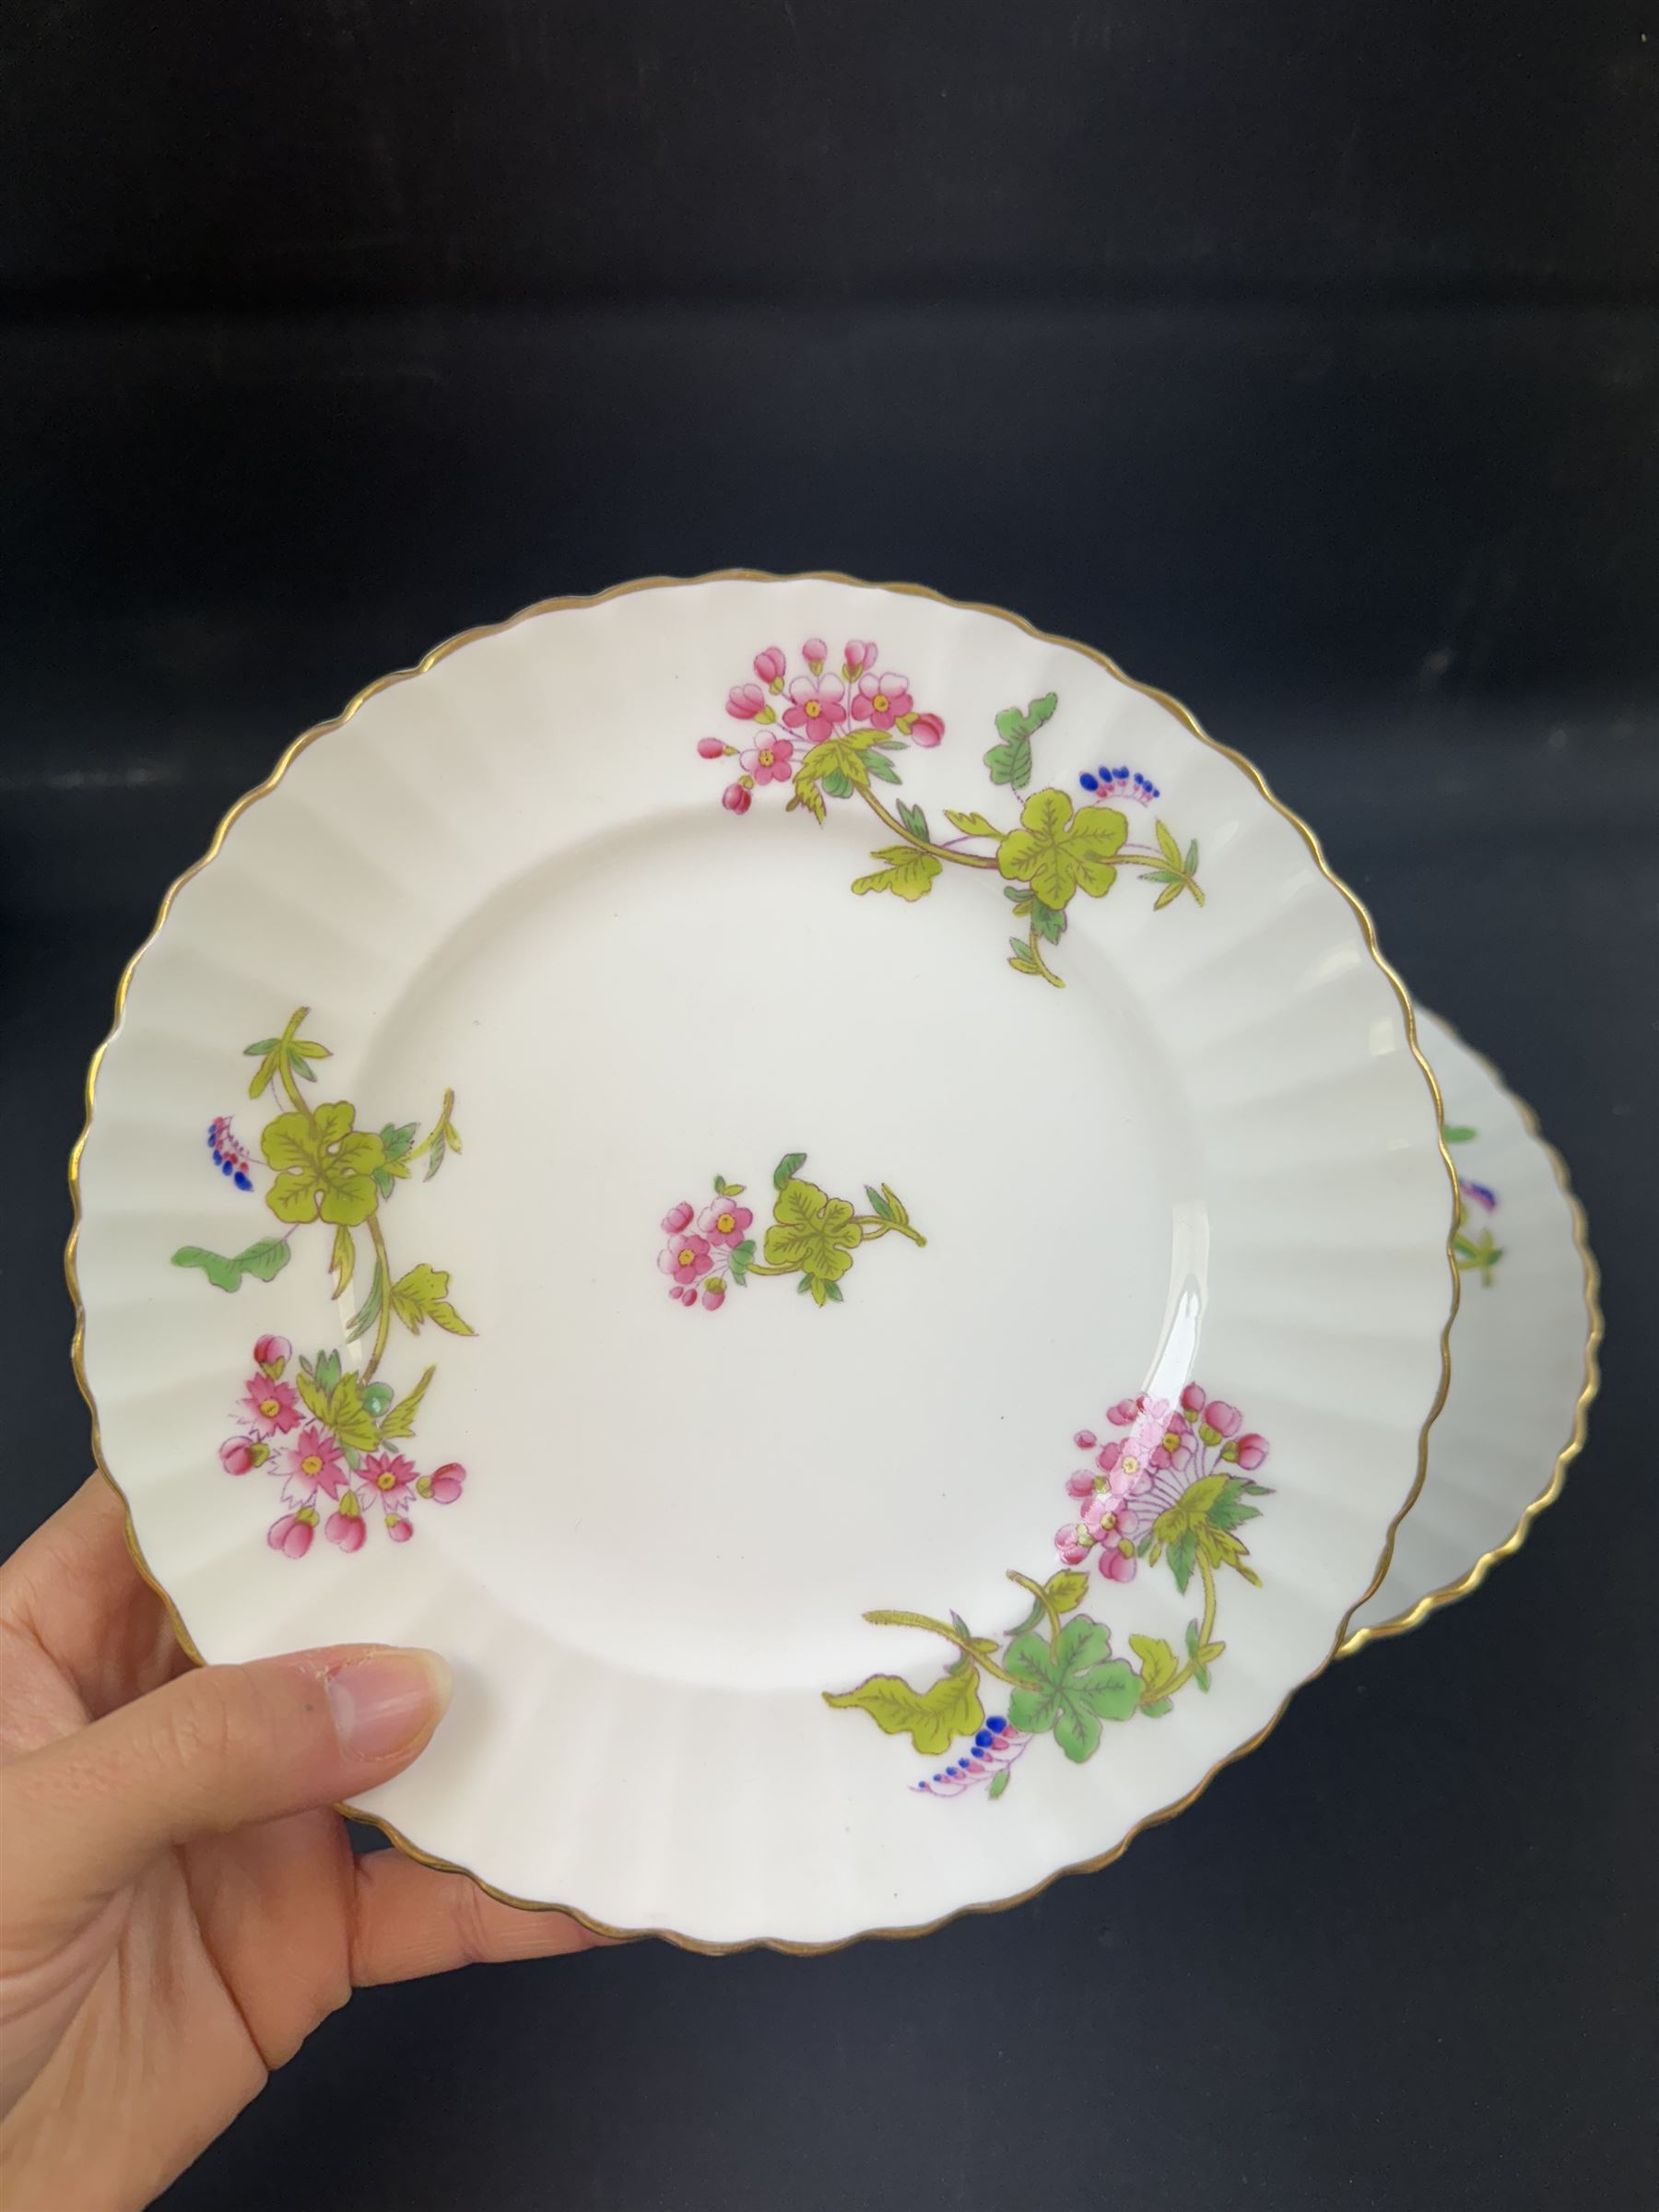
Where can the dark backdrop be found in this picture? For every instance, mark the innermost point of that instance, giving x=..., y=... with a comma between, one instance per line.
x=1305, y=355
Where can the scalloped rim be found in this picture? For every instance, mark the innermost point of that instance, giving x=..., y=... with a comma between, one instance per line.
x=1182, y=714
x=1449, y=1593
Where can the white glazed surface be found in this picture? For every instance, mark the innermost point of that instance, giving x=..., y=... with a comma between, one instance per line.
x=1523, y=1356
x=1213, y=1152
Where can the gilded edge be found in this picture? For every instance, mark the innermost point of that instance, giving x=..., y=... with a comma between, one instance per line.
x=1449, y=1593
x=913, y=591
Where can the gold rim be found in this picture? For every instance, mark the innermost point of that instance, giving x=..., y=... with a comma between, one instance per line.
x=1171, y=706
x=1449, y=1592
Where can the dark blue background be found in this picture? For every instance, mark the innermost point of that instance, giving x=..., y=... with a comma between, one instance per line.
x=1304, y=356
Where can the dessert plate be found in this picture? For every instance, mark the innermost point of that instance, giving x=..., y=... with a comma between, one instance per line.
x=1524, y=1350
x=669, y=1151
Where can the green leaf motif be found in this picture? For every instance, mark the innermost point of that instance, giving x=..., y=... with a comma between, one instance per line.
x=1230, y=1509
x=970, y=824
x=1459, y=1134
x=791, y=1164
x=908, y=875
x=1202, y=1655
x=264, y=1260
x=397, y=1140
x=1159, y=1668
x=285, y=1057
x=813, y=1232
x=838, y=785
x=421, y=1295
x=314, y=1394
x=400, y=1421
x=368, y=1314
x=1071, y=1686
x=223, y=1274
x=1184, y=1557
x=842, y=757
x=932, y=1719
x=738, y=1259
x=999, y=1782
x=1479, y=1255
x=984, y=1645
x=878, y=1205
x=897, y=1211
x=880, y=766
x=1048, y=921
x=1058, y=852
x=1065, y=1590
x=1010, y=762
x=914, y=821
x=1200, y=1525
x=349, y=1418
x=324, y=1167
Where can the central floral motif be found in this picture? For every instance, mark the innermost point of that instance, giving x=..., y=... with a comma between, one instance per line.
x=811, y=1236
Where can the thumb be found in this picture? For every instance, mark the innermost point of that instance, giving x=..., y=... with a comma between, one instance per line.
x=216, y=1749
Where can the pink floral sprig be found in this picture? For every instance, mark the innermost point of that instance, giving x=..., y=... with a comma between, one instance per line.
x=815, y=706
x=1135, y=1478
x=705, y=1247
x=327, y=1483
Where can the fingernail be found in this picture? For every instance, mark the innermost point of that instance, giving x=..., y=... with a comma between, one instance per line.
x=387, y=1701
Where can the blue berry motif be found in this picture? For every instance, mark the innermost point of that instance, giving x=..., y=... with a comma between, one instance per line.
x=994, y=1748
x=1120, y=783
x=231, y=1156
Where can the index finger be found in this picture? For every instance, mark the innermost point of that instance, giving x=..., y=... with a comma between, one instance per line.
x=75, y=1587
x=409, y=1920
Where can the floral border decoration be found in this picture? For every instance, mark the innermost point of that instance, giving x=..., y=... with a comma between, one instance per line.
x=834, y=737
x=1474, y=1255
x=332, y=1432
x=1174, y=1489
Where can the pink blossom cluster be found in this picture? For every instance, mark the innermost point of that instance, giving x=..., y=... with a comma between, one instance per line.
x=819, y=705
x=1135, y=1478
x=694, y=1257
x=311, y=1463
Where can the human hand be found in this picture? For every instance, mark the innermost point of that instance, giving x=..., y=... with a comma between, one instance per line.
x=178, y=1907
